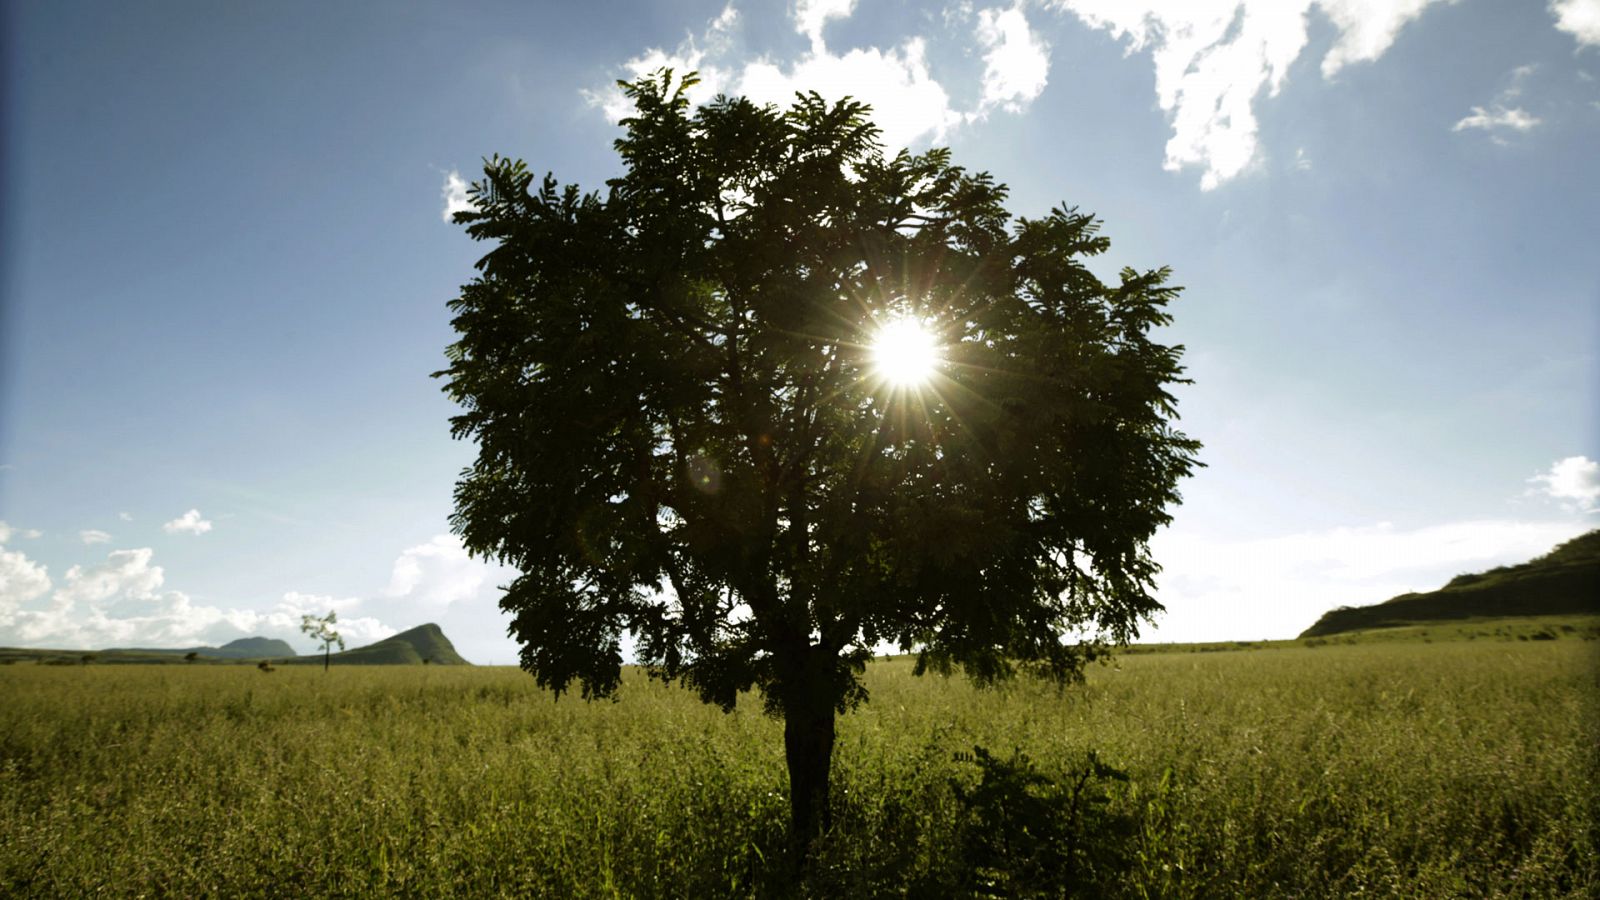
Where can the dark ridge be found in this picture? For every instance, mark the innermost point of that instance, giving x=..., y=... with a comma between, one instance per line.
x=1565, y=581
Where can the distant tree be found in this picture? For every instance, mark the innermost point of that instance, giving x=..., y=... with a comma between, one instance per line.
x=776, y=399
x=320, y=629
x=191, y=656
x=86, y=658
x=266, y=666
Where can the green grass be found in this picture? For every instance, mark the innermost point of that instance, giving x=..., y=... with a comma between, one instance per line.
x=1464, y=768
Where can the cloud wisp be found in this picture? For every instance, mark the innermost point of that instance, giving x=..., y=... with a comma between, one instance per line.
x=188, y=523
x=1501, y=116
x=94, y=536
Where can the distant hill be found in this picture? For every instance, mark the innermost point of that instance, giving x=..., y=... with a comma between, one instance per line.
x=243, y=648
x=425, y=643
x=253, y=648
x=1565, y=581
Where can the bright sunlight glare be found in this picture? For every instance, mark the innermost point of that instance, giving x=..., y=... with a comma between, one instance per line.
x=904, y=352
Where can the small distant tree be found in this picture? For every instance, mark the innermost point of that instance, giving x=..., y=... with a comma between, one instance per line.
x=266, y=666
x=320, y=629
x=191, y=656
x=87, y=658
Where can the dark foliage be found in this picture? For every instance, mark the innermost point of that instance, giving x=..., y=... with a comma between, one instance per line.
x=681, y=438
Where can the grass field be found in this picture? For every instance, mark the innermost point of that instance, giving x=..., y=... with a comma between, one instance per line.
x=1463, y=768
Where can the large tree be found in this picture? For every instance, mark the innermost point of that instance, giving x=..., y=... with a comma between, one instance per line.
x=776, y=399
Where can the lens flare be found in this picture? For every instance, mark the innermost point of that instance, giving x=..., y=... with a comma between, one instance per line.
x=905, y=352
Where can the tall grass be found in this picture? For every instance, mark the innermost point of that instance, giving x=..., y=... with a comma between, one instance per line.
x=1462, y=769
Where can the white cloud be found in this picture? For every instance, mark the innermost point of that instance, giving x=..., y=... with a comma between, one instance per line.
x=21, y=580
x=454, y=194
x=357, y=631
x=1579, y=18
x=8, y=532
x=1016, y=60
x=1302, y=162
x=121, y=603
x=908, y=104
x=1501, y=116
x=125, y=573
x=1276, y=587
x=690, y=56
x=1574, y=482
x=810, y=16
x=1214, y=58
x=1496, y=118
x=437, y=573
x=126, y=517
x=188, y=523
x=94, y=536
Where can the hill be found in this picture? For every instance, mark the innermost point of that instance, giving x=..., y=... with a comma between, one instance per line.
x=425, y=643
x=252, y=648
x=243, y=648
x=1563, y=582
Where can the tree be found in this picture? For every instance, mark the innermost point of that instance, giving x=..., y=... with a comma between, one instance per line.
x=683, y=435
x=191, y=656
x=320, y=629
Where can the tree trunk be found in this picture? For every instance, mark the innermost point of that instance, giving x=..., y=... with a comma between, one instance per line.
x=808, y=748
x=327, y=652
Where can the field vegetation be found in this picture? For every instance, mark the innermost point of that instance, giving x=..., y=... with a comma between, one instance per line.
x=1450, y=769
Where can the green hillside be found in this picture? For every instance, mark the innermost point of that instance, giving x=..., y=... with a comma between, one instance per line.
x=425, y=643
x=1563, y=582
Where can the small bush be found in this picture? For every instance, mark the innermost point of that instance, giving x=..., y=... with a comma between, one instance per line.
x=1028, y=834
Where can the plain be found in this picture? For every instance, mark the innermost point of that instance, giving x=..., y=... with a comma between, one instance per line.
x=1460, y=768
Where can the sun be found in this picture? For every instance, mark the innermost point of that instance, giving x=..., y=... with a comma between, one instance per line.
x=905, y=352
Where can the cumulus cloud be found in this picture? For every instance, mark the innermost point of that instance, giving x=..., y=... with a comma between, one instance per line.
x=21, y=580
x=1574, y=482
x=94, y=536
x=124, y=602
x=908, y=103
x=454, y=194
x=188, y=523
x=356, y=630
x=1276, y=587
x=437, y=573
x=1579, y=18
x=1214, y=58
x=1016, y=60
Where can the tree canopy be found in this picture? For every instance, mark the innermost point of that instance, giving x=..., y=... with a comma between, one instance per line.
x=682, y=434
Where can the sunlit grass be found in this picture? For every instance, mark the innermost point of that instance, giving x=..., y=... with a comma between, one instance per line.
x=1460, y=769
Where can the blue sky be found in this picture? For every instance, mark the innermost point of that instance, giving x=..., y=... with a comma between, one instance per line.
x=226, y=263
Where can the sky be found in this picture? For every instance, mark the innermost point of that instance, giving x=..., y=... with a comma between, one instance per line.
x=227, y=254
